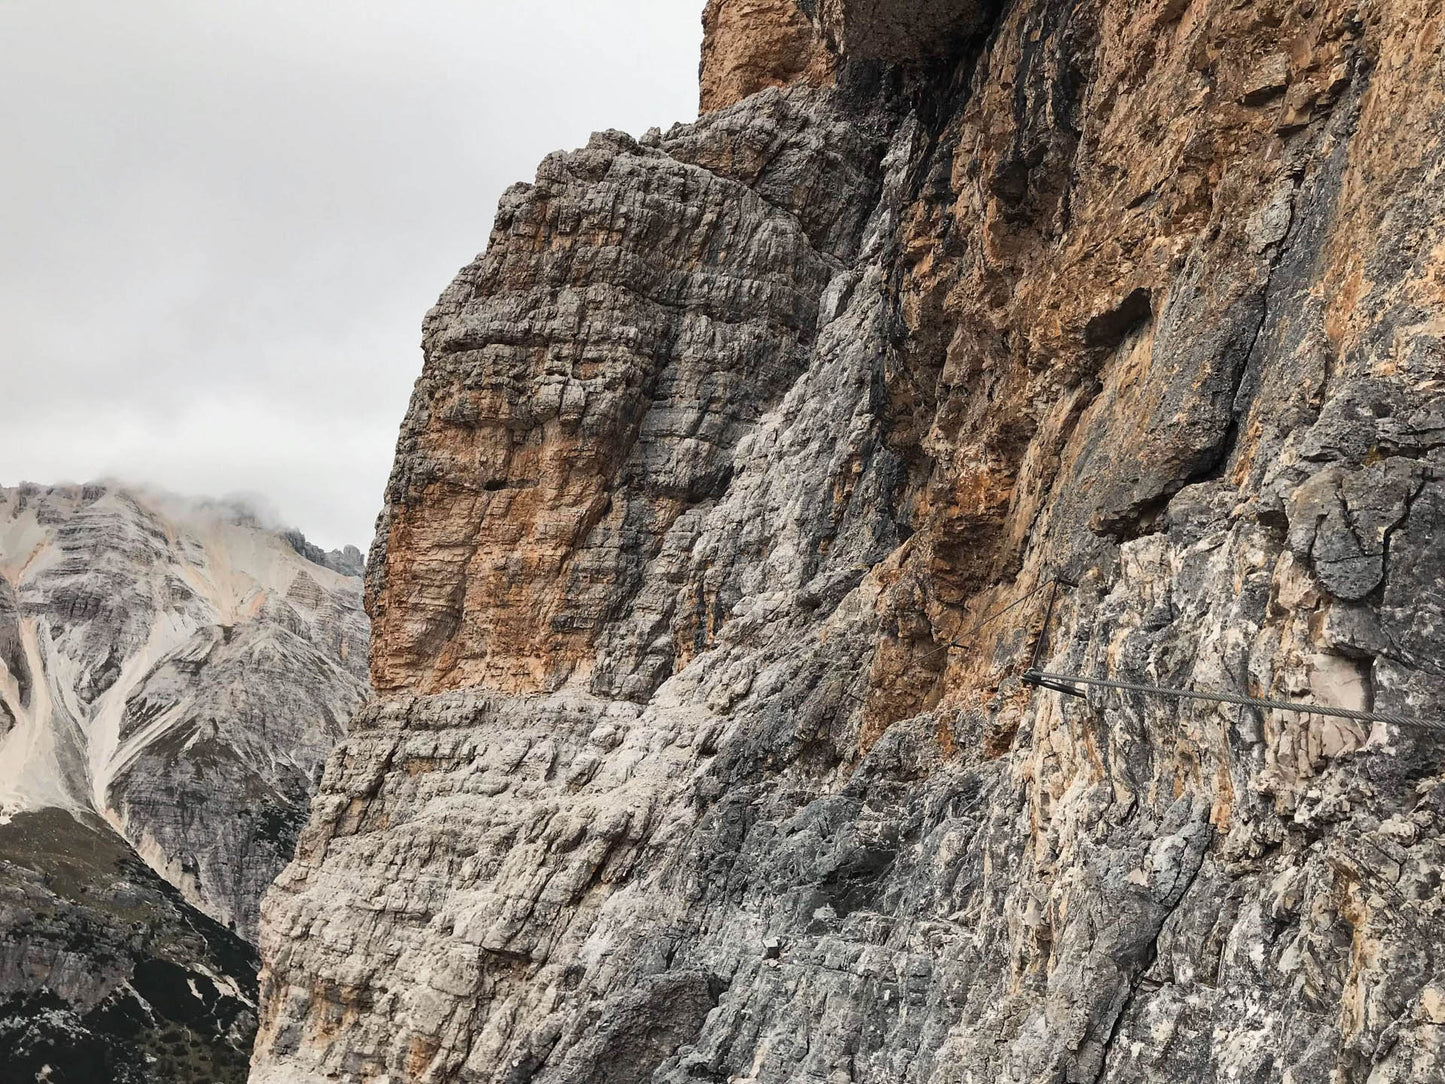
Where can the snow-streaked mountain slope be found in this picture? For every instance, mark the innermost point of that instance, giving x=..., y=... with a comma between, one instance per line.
x=178, y=668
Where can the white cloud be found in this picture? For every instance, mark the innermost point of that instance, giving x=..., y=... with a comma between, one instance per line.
x=222, y=222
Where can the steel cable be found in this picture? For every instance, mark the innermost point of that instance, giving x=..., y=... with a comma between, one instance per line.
x=1039, y=677
x=1064, y=683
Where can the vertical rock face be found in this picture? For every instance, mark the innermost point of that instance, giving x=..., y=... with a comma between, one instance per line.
x=584, y=404
x=901, y=30
x=751, y=45
x=694, y=761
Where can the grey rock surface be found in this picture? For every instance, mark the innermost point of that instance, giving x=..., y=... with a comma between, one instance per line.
x=900, y=30
x=694, y=760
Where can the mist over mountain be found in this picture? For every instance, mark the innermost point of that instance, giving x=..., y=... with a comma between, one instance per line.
x=172, y=673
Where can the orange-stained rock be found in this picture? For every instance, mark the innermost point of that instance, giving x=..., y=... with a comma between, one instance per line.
x=750, y=45
x=588, y=380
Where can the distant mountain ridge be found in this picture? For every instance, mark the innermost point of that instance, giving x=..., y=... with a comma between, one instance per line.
x=348, y=561
x=173, y=665
x=179, y=670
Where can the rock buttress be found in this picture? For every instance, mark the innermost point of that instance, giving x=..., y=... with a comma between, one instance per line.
x=692, y=761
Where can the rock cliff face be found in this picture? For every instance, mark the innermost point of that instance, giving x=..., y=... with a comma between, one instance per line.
x=693, y=761
x=171, y=676
x=750, y=45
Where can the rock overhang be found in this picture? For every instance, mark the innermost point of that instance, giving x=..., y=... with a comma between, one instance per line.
x=900, y=30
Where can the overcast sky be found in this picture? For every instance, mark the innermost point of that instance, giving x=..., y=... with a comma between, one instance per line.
x=221, y=221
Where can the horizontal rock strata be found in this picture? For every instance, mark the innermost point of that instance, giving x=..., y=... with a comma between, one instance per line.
x=694, y=760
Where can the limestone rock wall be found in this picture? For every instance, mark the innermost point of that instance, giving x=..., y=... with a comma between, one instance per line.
x=901, y=30
x=693, y=762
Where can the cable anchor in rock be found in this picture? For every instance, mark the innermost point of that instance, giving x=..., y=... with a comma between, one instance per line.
x=1032, y=675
